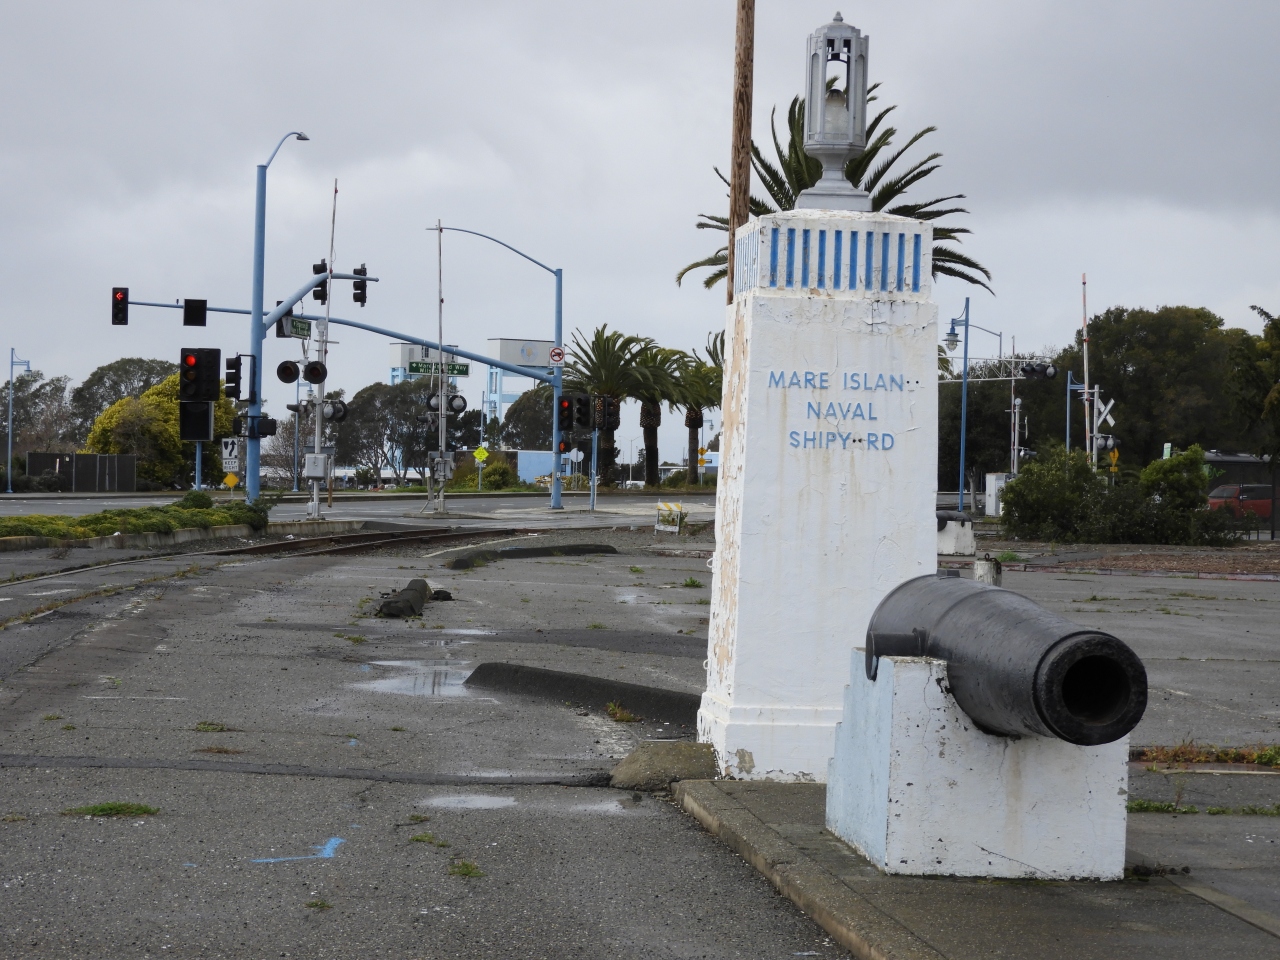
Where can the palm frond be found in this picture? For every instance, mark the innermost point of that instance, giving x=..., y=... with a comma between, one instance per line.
x=718, y=259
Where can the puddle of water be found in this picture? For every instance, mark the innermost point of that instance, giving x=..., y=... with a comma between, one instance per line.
x=421, y=678
x=472, y=801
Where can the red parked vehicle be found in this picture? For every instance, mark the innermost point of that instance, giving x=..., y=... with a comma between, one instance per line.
x=1242, y=498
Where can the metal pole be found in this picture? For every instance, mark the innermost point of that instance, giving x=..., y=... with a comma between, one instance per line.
x=199, y=447
x=740, y=148
x=595, y=469
x=964, y=398
x=1089, y=425
x=252, y=459
x=1069, y=378
x=322, y=354
x=13, y=362
x=297, y=427
x=556, y=390
x=440, y=394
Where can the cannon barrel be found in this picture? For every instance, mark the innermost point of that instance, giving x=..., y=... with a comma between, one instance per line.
x=1015, y=668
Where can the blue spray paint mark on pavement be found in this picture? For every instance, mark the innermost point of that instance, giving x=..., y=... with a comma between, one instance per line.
x=325, y=852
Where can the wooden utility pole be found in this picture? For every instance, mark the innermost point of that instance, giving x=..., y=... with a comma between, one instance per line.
x=740, y=156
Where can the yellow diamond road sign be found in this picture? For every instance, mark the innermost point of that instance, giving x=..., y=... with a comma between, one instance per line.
x=481, y=454
x=701, y=451
x=231, y=480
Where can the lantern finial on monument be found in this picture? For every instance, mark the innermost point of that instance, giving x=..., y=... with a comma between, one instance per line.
x=835, y=126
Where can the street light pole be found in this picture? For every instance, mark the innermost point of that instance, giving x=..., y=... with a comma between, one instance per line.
x=13, y=362
x=556, y=388
x=253, y=460
x=952, y=340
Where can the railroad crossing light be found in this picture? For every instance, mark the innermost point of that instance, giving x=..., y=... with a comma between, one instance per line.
x=1038, y=371
x=321, y=292
x=234, y=366
x=564, y=416
x=195, y=313
x=288, y=371
x=582, y=410
x=315, y=372
x=335, y=411
x=198, y=374
x=433, y=402
x=119, y=306
x=457, y=403
x=360, y=288
x=1107, y=442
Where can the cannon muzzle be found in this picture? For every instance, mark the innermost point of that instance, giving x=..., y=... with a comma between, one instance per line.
x=1015, y=668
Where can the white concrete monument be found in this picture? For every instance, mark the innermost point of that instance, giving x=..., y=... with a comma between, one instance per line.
x=828, y=475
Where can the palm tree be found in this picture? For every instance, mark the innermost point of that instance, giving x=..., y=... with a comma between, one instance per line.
x=700, y=387
x=796, y=171
x=657, y=380
x=606, y=366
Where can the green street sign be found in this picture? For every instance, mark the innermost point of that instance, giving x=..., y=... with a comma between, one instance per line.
x=297, y=327
x=431, y=368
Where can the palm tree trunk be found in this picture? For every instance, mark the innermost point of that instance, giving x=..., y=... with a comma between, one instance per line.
x=693, y=420
x=650, y=419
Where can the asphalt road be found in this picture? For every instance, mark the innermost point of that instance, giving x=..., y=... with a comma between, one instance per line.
x=342, y=731
x=294, y=747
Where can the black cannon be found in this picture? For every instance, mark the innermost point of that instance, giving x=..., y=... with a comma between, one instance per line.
x=1015, y=668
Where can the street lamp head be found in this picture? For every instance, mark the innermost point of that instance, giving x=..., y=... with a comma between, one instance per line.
x=835, y=125
x=952, y=339
x=301, y=136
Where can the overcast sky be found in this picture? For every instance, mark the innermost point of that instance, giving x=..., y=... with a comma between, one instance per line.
x=1134, y=141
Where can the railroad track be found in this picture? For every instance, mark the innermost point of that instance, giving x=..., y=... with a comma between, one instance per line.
x=301, y=547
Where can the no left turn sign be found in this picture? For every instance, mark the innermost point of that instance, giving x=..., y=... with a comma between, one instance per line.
x=557, y=356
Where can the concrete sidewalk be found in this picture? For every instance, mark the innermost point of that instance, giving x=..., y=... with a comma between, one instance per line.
x=779, y=829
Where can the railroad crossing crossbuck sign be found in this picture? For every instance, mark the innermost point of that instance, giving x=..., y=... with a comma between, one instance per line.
x=556, y=355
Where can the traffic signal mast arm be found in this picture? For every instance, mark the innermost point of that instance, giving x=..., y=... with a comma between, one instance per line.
x=288, y=303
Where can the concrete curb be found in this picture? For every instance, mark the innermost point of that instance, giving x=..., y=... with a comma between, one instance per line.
x=865, y=930
x=1109, y=572
x=651, y=703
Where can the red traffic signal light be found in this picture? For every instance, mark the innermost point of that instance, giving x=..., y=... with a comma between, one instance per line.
x=200, y=369
x=119, y=306
x=564, y=415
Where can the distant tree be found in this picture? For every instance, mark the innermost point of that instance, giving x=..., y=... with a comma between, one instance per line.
x=40, y=416
x=605, y=365
x=527, y=425
x=127, y=377
x=1255, y=385
x=700, y=388
x=657, y=381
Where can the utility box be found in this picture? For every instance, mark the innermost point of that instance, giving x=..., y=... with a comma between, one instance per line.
x=316, y=467
x=994, y=505
x=955, y=534
x=442, y=467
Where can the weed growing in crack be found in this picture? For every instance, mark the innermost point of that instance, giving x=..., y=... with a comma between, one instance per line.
x=111, y=809
x=620, y=713
x=464, y=868
x=430, y=838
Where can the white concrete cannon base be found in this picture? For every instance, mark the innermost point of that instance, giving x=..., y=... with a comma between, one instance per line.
x=918, y=790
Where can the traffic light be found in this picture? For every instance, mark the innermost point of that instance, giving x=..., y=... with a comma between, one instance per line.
x=335, y=411
x=321, y=292
x=564, y=416
x=582, y=410
x=300, y=408
x=119, y=306
x=288, y=371
x=566, y=444
x=612, y=413
x=315, y=372
x=195, y=313
x=195, y=420
x=234, y=366
x=199, y=373
x=266, y=427
x=360, y=288
x=1038, y=371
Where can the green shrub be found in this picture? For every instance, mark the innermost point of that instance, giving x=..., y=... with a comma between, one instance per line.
x=142, y=520
x=1061, y=498
x=196, y=500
